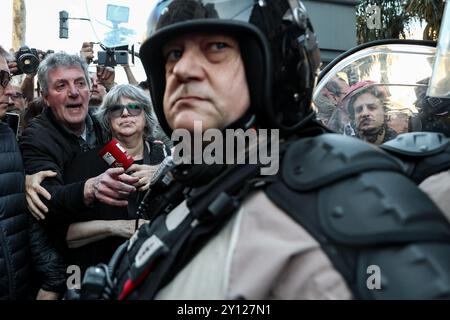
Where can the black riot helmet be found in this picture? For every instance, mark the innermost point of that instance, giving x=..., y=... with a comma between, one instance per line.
x=278, y=47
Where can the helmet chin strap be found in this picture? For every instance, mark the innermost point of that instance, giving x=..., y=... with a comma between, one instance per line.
x=245, y=122
x=198, y=174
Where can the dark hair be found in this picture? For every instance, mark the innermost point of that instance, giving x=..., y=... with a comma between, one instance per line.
x=144, y=85
x=60, y=59
x=373, y=90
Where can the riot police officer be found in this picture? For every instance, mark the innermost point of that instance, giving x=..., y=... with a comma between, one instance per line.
x=336, y=208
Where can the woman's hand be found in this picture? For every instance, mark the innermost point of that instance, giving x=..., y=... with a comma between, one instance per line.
x=144, y=173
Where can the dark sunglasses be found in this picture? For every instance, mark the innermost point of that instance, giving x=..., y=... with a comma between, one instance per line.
x=133, y=109
x=5, y=77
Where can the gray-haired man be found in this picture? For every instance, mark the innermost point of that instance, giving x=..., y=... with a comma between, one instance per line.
x=64, y=130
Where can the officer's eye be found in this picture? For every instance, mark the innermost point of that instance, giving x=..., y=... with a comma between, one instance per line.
x=219, y=45
x=173, y=55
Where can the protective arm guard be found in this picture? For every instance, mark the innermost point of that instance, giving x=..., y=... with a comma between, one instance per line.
x=423, y=153
x=357, y=203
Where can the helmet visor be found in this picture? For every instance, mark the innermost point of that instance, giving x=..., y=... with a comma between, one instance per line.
x=394, y=75
x=170, y=12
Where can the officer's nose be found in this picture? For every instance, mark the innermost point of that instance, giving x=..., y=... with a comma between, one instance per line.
x=189, y=66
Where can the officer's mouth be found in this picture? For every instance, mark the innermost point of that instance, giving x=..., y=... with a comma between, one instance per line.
x=188, y=100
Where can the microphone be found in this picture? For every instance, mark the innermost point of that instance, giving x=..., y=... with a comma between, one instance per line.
x=166, y=165
x=115, y=155
x=160, y=175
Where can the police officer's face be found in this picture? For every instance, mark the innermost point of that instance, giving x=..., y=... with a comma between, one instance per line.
x=205, y=81
x=68, y=96
x=369, y=113
x=5, y=93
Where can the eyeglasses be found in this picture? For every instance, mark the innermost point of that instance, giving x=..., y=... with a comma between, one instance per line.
x=5, y=77
x=117, y=110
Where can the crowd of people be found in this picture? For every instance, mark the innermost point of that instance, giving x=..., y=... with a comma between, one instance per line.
x=82, y=209
x=202, y=230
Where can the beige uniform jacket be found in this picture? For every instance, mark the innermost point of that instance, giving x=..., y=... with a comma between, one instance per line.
x=437, y=187
x=260, y=254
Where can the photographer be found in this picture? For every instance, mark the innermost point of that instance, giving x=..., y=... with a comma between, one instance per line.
x=26, y=61
x=104, y=72
x=105, y=75
x=27, y=86
x=102, y=80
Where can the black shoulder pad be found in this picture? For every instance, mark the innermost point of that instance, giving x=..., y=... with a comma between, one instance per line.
x=414, y=271
x=314, y=162
x=379, y=207
x=417, y=144
x=427, y=166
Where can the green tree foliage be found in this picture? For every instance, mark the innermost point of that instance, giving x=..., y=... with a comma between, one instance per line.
x=429, y=11
x=396, y=17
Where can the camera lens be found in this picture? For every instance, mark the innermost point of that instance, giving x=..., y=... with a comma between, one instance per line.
x=28, y=63
x=27, y=60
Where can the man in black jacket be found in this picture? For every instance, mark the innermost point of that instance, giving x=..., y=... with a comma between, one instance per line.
x=55, y=138
x=64, y=130
x=23, y=244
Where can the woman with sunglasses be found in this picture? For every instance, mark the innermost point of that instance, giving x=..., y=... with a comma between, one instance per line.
x=126, y=115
